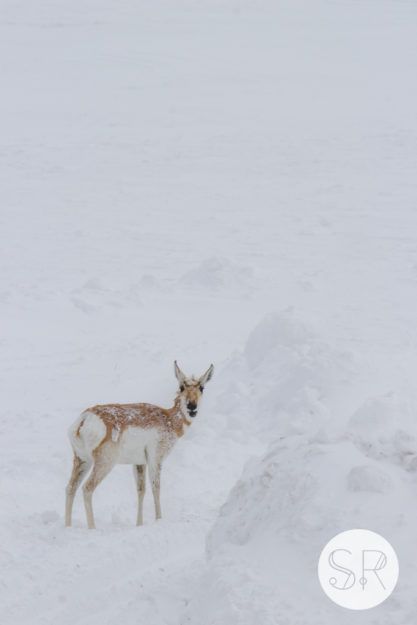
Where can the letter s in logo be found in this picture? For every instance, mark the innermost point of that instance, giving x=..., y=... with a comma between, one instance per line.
x=350, y=575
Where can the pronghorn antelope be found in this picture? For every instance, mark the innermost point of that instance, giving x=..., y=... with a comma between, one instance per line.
x=137, y=434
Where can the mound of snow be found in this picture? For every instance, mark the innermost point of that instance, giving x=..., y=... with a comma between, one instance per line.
x=384, y=428
x=264, y=548
x=96, y=294
x=217, y=273
x=285, y=380
x=328, y=468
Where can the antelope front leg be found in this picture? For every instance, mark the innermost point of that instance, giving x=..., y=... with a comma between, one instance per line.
x=139, y=471
x=155, y=475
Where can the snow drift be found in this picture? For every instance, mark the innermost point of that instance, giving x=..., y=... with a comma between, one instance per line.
x=314, y=481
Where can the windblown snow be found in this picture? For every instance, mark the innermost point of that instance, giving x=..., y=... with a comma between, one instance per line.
x=227, y=182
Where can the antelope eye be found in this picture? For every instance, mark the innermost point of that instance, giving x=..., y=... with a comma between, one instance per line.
x=182, y=387
x=201, y=388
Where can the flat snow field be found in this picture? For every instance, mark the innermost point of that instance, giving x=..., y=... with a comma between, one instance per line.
x=214, y=181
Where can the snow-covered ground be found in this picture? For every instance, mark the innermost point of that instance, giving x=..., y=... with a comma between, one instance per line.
x=208, y=181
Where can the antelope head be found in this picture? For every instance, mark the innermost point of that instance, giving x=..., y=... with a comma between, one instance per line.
x=191, y=389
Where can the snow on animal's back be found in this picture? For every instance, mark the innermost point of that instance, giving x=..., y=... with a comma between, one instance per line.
x=131, y=428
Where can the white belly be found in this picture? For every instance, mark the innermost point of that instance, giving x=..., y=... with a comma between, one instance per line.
x=133, y=442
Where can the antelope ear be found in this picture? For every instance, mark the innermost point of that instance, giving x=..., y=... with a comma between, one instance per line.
x=207, y=375
x=178, y=373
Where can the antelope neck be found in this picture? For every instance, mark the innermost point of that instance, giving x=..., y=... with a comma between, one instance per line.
x=177, y=411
